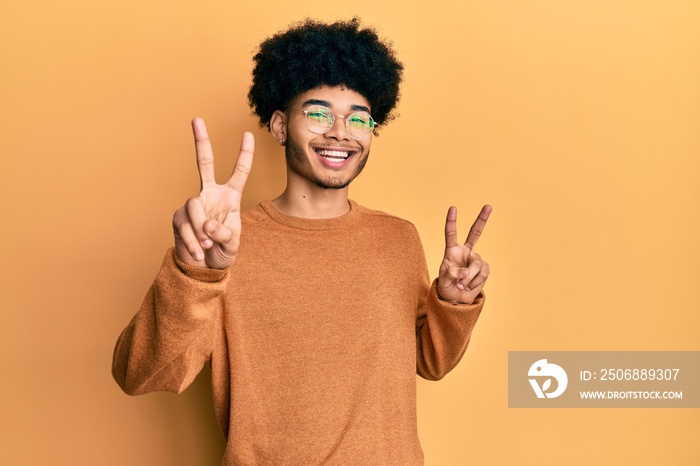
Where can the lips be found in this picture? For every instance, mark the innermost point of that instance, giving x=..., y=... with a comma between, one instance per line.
x=335, y=158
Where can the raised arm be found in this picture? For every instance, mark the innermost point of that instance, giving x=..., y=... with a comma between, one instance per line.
x=172, y=336
x=207, y=228
x=452, y=307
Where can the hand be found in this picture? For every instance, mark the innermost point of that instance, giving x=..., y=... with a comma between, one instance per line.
x=463, y=272
x=207, y=228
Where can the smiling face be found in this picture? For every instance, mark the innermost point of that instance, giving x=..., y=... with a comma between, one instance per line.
x=331, y=160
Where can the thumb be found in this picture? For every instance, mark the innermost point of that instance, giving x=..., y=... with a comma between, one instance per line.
x=219, y=233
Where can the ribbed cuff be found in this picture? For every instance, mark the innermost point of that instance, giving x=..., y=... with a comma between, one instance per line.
x=203, y=274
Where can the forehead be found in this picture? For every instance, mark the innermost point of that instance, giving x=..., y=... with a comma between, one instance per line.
x=335, y=97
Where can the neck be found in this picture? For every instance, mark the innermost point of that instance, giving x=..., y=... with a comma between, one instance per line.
x=313, y=203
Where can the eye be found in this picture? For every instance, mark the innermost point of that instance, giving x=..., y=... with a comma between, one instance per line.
x=360, y=120
x=320, y=114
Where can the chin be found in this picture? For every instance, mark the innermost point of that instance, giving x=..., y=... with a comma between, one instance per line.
x=333, y=184
x=339, y=183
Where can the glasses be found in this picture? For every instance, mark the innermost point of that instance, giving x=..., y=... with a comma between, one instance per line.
x=320, y=119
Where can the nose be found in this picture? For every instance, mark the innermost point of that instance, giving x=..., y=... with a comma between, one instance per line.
x=338, y=130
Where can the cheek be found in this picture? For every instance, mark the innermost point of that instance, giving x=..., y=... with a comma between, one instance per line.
x=299, y=131
x=366, y=146
x=294, y=152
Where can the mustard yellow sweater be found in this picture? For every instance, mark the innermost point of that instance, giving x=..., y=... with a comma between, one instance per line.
x=314, y=337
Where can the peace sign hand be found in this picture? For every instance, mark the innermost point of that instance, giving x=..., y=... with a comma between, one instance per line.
x=463, y=272
x=207, y=228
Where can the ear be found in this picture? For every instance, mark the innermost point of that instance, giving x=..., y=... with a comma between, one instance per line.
x=278, y=126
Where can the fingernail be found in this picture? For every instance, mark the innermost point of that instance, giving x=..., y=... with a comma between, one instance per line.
x=206, y=243
x=460, y=286
x=198, y=256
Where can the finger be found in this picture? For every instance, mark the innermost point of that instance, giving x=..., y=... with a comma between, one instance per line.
x=456, y=274
x=205, y=156
x=244, y=163
x=478, y=227
x=451, y=228
x=470, y=296
x=184, y=232
x=197, y=217
x=480, y=278
x=473, y=270
x=219, y=233
x=459, y=296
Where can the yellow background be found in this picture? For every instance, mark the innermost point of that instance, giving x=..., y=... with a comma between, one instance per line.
x=579, y=121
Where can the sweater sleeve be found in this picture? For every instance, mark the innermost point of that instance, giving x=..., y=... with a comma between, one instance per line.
x=443, y=331
x=169, y=340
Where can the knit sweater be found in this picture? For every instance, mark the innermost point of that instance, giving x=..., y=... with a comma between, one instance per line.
x=314, y=336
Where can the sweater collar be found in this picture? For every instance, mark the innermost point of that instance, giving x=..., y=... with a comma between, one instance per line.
x=312, y=223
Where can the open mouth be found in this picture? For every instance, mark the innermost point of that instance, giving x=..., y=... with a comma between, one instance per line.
x=335, y=156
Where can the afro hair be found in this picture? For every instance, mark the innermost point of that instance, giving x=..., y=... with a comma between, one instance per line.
x=312, y=54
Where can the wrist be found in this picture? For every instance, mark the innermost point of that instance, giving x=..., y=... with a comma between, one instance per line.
x=199, y=272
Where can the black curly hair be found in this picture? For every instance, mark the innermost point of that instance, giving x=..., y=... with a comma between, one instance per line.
x=311, y=54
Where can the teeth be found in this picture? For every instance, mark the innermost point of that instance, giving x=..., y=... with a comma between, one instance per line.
x=333, y=154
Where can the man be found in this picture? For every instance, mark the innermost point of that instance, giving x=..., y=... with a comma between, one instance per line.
x=314, y=313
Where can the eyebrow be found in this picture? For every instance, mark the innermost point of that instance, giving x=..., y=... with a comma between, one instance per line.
x=325, y=103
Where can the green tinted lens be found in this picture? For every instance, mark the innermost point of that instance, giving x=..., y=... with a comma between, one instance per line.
x=360, y=125
x=319, y=118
